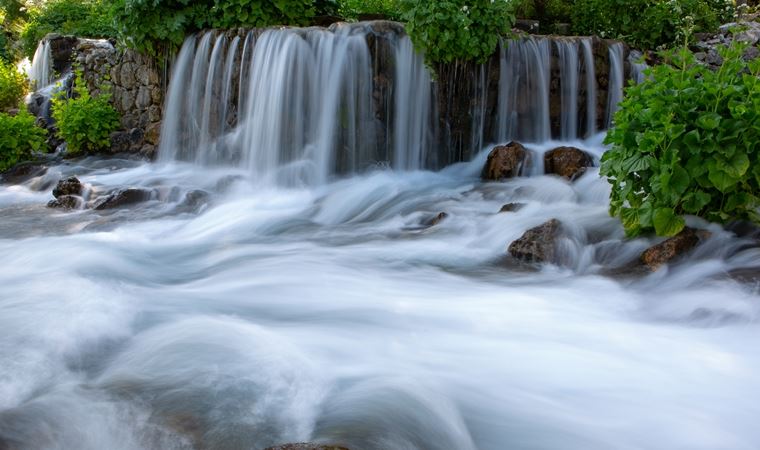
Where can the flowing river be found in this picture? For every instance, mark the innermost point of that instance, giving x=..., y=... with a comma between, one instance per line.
x=271, y=315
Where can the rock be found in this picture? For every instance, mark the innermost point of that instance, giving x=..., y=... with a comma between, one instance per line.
x=120, y=142
x=435, y=220
x=65, y=202
x=657, y=255
x=537, y=244
x=194, y=201
x=654, y=257
x=127, y=76
x=505, y=161
x=21, y=173
x=528, y=25
x=136, y=138
x=68, y=186
x=143, y=99
x=568, y=162
x=122, y=197
x=512, y=207
x=306, y=446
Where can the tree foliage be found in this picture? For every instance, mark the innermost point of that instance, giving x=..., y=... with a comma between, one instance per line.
x=687, y=141
x=19, y=136
x=13, y=86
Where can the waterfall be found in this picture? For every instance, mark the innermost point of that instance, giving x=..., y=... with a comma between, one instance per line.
x=616, y=81
x=41, y=72
x=591, y=96
x=569, y=73
x=412, y=134
x=523, y=106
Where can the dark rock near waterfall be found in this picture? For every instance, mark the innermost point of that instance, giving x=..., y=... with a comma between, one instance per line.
x=435, y=220
x=122, y=197
x=194, y=201
x=537, y=244
x=527, y=25
x=120, y=142
x=505, y=161
x=675, y=247
x=568, y=162
x=61, y=50
x=512, y=207
x=306, y=446
x=68, y=186
x=153, y=133
x=21, y=173
x=65, y=202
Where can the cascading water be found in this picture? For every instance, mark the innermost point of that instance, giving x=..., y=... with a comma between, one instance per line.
x=41, y=72
x=638, y=66
x=569, y=72
x=616, y=81
x=591, y=96
x=523, y=110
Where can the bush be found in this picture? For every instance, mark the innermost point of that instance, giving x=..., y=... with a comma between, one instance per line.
x=648, y=24
x=352, y=9
x=86, y=18
x=148, y=25
x=84, y=122
x=19, y=136
x=452, y=30
x=687, y=141
x=13, y=86
x=547, y=12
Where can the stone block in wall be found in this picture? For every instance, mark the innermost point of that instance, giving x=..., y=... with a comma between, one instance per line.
x=143, y=99
x=127, y=76
x=153, y=133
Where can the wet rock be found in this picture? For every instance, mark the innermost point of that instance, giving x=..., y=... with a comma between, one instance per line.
x=65, y=202
x=505, y=161
x=194, y=201
x=21, y=173
x=153, y=133
x=68, y=186
x=528, y=25
x=306, y=446
x=120, y=142
x=435, y=220
x=537, y=244
x=568, y=162
x=654, y=257
x=122, y=197
x=512, y=207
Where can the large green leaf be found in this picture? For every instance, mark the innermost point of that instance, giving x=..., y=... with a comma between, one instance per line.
x=667, y=223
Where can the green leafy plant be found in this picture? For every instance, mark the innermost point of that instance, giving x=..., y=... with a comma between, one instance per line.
x=85, y=18
x=452, y=30
x=85, y=122
x=19, y=136
x=687, y=141
x=353, y=9
x=13, y=86
x=648, y=24
x=261, y=13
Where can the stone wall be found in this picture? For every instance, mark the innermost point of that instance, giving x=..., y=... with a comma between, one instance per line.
x=136, y=92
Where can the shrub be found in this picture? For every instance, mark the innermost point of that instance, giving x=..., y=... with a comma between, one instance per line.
x=648, y=23
x=261, y=13
x=352, y=9
x=686, y=141
x=87, y=18
x=13, y=86
x=84, y=122
x=19, y=136
x=452, y=30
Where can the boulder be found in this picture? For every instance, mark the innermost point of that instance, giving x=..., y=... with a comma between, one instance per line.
x=120, y=142
x=568, y=162
x=194, y=201
x=65, y=202
x=122, y=197
x=656, y=256
x=537, y=244
x=505, y=161
x=306, y=446
x=68, y=186
x=512, y=207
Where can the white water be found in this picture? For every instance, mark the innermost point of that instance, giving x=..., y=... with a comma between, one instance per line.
x=278, y=315
x=616, y=81
x=41, y=71
x=569, y=62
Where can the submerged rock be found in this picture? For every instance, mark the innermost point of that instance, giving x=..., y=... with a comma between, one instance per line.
x=306, y=446
x=194, y=201
x=568, y=162
x=122, y=197
x=512, y=207
x=435, y=220
x=505, y=161
x=537, y=244
x=22, y=173
x=65, y=202
x=68, y=186
x=664, y=252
